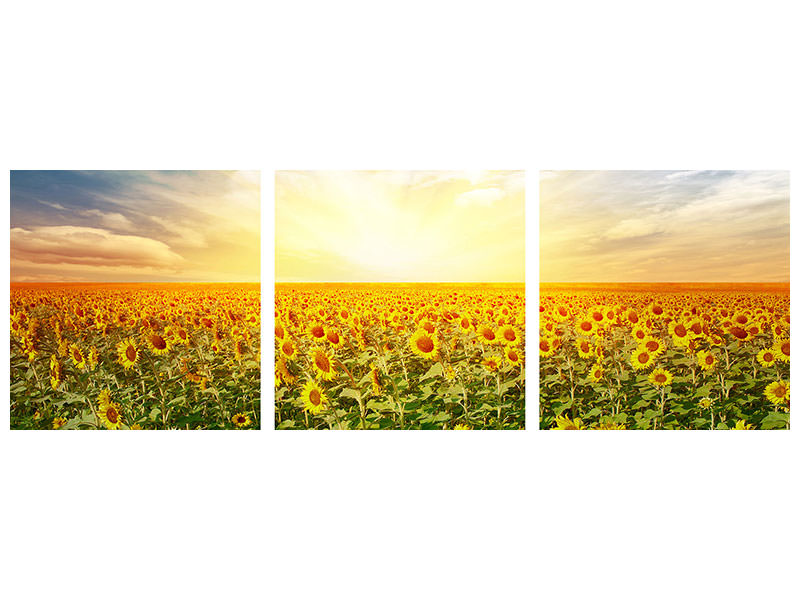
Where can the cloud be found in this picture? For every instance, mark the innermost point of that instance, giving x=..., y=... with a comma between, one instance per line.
x=630, y=228
x=55, y=205
x=109, y=220
x=90, y=246
x=482, y=197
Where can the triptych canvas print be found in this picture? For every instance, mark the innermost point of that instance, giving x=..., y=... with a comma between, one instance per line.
x=399, y=300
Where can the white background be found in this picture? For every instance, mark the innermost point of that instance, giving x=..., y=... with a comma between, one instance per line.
x=432, y=85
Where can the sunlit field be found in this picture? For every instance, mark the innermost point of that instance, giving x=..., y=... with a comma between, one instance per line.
x=402, y=356
x=664, y=356
x=135, y=356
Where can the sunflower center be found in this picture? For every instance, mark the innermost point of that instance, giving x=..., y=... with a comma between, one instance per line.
x=709, y=360
x=597, y=316
x=76, y=354
x=333, y=337
x=130, y=353
x=652, y=345
x=768, y=357
x=158, y=342
x=425, y=344
x=660, y=378
x=586, y=326
x=544, y=346
x=488, y=334
x=738, y=332
x=512, y=356
x=562, y=311
x=680, y=330
x=315, y=397
x=585, y=346
x=785, y=348
x=288, y=348
x=318, y=332
x=112, y=415
x=464, y=324
x=780, y=391
x=322, y=362
x=657, y=310
x=643, y=357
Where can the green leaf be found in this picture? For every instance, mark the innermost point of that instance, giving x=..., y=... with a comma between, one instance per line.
x=350, y=393
x=775, y=420
x=434, y=371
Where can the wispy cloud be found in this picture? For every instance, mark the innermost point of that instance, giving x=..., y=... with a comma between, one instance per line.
x=665, y=226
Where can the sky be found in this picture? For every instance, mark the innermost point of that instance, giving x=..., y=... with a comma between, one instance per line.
x=637, y=226
x=116, y=226
x=419, y=226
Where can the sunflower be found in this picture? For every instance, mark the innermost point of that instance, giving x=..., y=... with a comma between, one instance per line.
x=59, y=422
x=508, y=335
x=585, y=326
x=241, y=420
x=660, y=377
x=487, y=335
x=180, y=336
x=680, y=333
x=767, y=357
x=706, y=360
x=513, y=355
x=56, y=373
x=314, y=398
x=642, y=358
x=282, y=373
x=781, y=348
x=491, y=363
x=585, y=347
x=547, y=346
x=739, y=333
x=128, y=353
x=567, y=423
x=375, y=377
x=464, y=324
x=777, y=392
x=596, y=373
x=288, y=349
x=109, y=411
x=462, y=427
x=77, y=356
x=158, y=344
x=742, y=424
x=104, y=398
x=322, y=364
x=639, y=333
x=316, y=331
x=424, y=344
x=239, y=349
x=654, y=345
x=333, y=338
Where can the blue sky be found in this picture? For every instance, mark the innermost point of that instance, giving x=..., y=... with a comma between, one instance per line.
x=135, y=226
x=664, y=226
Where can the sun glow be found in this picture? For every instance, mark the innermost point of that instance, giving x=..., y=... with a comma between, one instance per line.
x=399, y=226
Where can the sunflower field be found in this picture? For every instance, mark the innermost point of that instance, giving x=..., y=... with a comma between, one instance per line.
x=403, y=356
x=664, y=357
x=135, y=356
